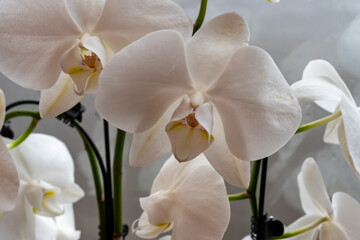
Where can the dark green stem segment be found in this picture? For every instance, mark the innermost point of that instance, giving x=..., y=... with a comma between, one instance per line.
x=200, y=19
x=24, y=113
x=25, y=135
x=97, y=183
x=252, y=188
x=117, y=179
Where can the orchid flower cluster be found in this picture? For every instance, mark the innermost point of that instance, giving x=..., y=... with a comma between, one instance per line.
x=199, y=92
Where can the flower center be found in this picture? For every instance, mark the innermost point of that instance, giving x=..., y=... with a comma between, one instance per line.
x=89, y=58
x=191, y=120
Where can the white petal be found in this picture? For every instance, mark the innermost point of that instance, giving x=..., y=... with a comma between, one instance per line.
x=148, y=146
x=183, y=109
x=158, y=207
x=193, y=184
x=205, y=116
x=256, y=105
x=324, y=72
x=331, y=132
x=165, y=238
x=142, y=81
x=212, y=46
x=86, y=13
x=318, y=90
x=332, y=231
x=302, y=222
x=351, y=117
x=345, y=149
x=9, y=180
x=34, y=34
x=123, y=22
x=232, y=169
x=59, y=98
x=307, y=203
x=315, y=186
x=347, y=214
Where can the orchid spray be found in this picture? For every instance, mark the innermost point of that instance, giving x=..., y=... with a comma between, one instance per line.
x=198, y=96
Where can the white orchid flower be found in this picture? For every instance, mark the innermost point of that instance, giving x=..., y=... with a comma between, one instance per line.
x=212, y=93
x=341, y=218
x=63, y=45
x=181, y=198
x=9, y=180
x=323, y=85
x=46, y=173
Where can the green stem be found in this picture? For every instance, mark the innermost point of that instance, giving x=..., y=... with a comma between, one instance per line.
x=97, y=183
x=318, y=122
x=24, y=113
x=302, y=230
x=25, y=135
x=200, y=19
x=117, y=179
x=239, y=196
x=252, y=187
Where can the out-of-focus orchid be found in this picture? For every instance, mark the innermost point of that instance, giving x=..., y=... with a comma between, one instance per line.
x=323, y=85
x=47, y=190
x=9, y=180
x=340, y=219
x=212, y=94
x=46, y=173
x=63, y=45
x=189, y=198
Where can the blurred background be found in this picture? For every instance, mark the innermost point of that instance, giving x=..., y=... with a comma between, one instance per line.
x=293, y=32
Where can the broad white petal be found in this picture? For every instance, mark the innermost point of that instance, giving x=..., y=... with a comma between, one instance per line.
x=9, y=179
x=34, y=35
x=211, y=48
x=59, y=98
x=345, y=149
x=323, y=93
x=86, y=13
x=331, y=131
x=347, y=214
x=232, y=169
x=148, y=146
x=123, y=22
x=351, y=117
x=256, y=105
x=140, y=82
x=193, y=184
x=332, y=231
x=315, y=186
x=324, y=72
x=165, y=238
x=302, y=222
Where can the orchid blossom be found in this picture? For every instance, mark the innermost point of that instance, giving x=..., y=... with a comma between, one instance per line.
x=9, y=180
x=340, y=219
x=189, y=198
x=46, y=173
x=323, y=85
x=43, y=209
x=63, y=45
x=212, y=93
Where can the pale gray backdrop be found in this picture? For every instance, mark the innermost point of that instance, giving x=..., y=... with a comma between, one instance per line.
x=293, y=32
